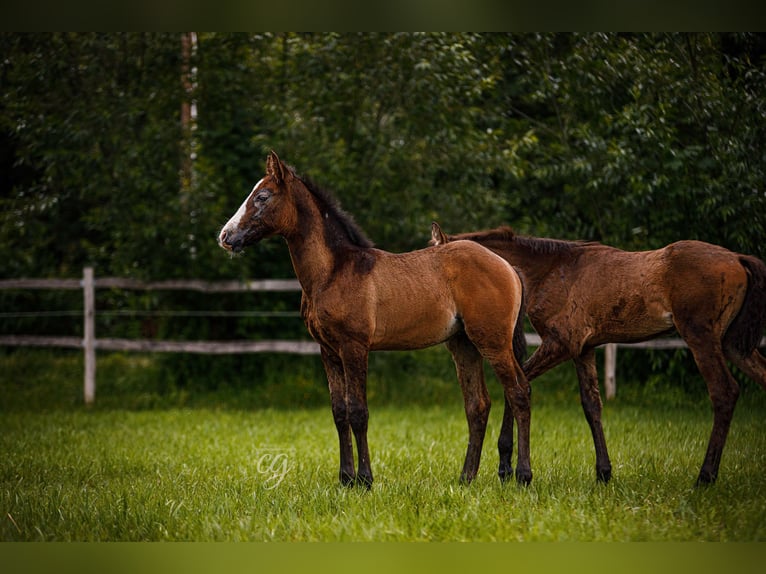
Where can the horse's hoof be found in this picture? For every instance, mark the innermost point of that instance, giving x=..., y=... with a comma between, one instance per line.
x=705, y=479
x=604, y=475
x=505, y=474
x=523, y=477
x=364, y=481
x=347, y=479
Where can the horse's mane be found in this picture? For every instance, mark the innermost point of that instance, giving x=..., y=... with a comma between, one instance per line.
x=536, y=245
x=345, y=220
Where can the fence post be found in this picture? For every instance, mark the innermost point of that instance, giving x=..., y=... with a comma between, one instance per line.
x=89, y=342
x=610, y=366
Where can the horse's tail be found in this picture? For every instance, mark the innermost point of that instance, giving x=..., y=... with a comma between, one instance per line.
x=745, y=332
x=519, y=338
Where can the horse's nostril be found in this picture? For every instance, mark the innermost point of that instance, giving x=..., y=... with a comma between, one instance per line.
x=222, y=237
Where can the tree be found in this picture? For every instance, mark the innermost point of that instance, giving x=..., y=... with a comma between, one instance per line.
x=639, y=140
x=93, y=122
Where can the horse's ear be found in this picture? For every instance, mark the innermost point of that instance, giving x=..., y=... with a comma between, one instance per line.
x=275, y=168
x=437, y=235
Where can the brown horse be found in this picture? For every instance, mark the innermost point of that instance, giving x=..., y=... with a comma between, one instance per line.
x=358, y=299
x=581, y=295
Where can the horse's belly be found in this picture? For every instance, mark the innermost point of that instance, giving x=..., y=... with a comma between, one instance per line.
x=637, y=327
x=415, y=331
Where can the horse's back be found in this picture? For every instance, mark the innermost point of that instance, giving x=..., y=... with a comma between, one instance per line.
x=611, y=295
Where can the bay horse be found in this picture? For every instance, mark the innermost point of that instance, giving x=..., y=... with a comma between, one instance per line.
x=580, y=295
x=357, y=299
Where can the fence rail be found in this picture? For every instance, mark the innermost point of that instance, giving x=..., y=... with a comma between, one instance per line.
x=90, y=343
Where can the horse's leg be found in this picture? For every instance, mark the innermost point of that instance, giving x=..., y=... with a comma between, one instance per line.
x=470, y=373
x=336, y=382
x=723, y=391
x=754, y=365
x=505, y=443
x=517, y=395
x=517, y=398
x=355, y=370
x=591, y=405
x=548, y=355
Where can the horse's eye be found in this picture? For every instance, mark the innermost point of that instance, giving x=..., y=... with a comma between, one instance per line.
x=261, y=196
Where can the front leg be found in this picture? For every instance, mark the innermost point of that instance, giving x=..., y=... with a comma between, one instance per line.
x=549, y=354
x=355, y=371
x=336, y=382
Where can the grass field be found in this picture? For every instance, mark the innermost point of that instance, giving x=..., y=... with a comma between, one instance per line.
x=215, y=471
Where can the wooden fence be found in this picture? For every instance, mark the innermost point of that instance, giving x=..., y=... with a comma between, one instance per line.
x=90, y=343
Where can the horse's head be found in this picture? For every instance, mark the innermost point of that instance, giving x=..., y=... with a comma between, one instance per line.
x=268, y=210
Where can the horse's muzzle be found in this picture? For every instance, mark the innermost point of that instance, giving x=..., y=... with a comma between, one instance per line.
x=228, y=242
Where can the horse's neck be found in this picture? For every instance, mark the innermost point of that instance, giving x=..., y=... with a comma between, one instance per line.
x=312, y=260
x=314, y=255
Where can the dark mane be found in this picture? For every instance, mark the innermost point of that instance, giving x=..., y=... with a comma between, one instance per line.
x=545, y=246
x=536, y=245
x=346, y=221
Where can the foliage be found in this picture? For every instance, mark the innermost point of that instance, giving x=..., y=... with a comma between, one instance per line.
x=635, y=140
x=641, y=140
x=92, y=122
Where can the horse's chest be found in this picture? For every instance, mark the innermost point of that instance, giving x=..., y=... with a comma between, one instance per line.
x=329, y=325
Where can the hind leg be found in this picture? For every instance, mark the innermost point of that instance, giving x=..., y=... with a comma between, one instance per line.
x=517, y=397
x=548, y=355
x=470, y=373
x=591, y=406
x=517, y=393
x=505, y=443
x=724, y=392
x=517, y=400
x=754, y=366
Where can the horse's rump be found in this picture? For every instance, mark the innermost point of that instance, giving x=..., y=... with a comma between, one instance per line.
x=746, y=329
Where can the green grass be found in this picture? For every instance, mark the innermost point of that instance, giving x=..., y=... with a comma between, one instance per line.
x=212, y=470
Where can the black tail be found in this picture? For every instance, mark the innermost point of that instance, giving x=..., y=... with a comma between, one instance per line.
x=519, y=338
x=746, y=330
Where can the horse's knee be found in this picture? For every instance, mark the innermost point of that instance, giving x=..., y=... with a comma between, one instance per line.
x=340, y=413
x=358, y=416
x=477, y=416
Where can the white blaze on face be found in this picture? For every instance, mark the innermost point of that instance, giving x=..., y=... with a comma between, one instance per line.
x=235, y=220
